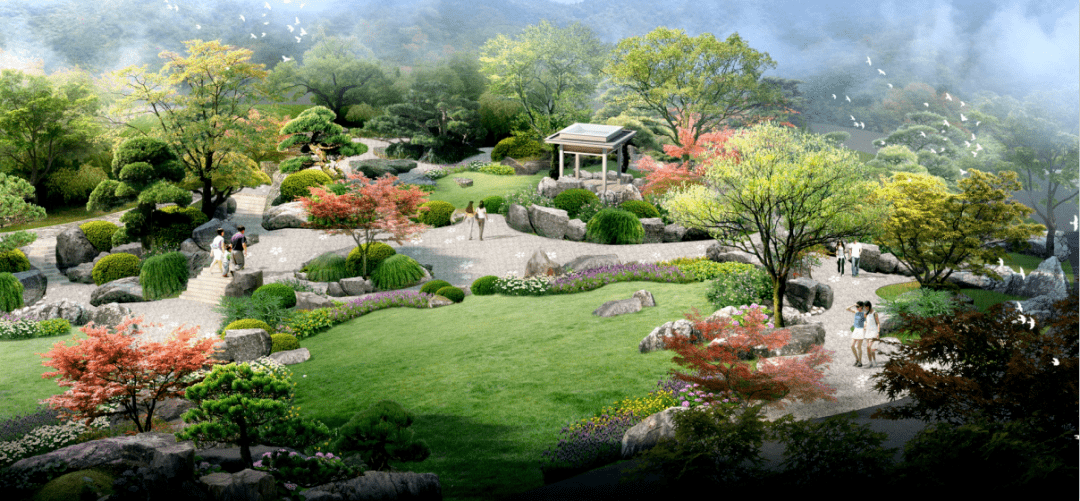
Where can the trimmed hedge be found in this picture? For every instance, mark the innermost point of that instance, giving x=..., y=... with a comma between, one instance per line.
x=115, y=267
x=13, y=261
x=296, y=185
x=396, y=272
x=484, y=286
x=433, y=286
x=376, y=253
x=99, y=233
x=516, y=147
x=640, y=209
x=283, y=342
x=177, y=223
x=493, y=203
x=452, y=293
x=286, y=293
x=573, y=199
x=248, y=323
x=436, y=213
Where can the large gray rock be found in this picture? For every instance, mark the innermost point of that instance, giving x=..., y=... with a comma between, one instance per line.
x=463, y=182
x=618, y=307
x=356, y=286
x=517, y=217
x=575, y=230
x=801, y=293
x=289, y=215
x=163, y=462
x=968, y=280
x=870, y=259
x=823, y=296
x=656, y=340
x=333, y=289
x=380, y=485
x=548, y=222
x=82, y=274
x=189, y=245
x=34, y=284
x=646, y=434
x=74, y=313
x=541, y=265
x=376, y=167
x=312, y=301
x=674, y=233
x=803, y=338
x=292, y=357
x=1047, y=280
x=533, y=166
x=133, y=248
x=196, y=260
x=548, y=187
x=887, y=263
x=205, y=233
x=244, y=283
x=73, y=249
x=109, y=314
x=646, y=298
x=246, y=485
x=245, y=345
x=124, y=290
x=589, y=262
x=654, y=230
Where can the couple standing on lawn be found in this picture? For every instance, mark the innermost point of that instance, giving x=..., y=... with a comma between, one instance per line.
x=478, y=214
x=849, y=253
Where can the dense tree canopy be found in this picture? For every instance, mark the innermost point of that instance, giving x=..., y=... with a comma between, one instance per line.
x=15, y=210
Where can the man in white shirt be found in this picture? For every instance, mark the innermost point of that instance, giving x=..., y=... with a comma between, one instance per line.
x=856, y=251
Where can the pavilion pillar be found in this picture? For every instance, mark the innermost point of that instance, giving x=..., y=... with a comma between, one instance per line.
x=561, y=157
x=604, y=163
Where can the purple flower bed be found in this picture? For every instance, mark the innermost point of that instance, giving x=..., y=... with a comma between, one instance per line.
x=586, y=280
x=378, y=301
x=15, y=428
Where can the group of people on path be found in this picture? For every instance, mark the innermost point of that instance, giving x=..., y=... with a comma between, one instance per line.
x=479, y=215
x=226, y=253
x=850, y=254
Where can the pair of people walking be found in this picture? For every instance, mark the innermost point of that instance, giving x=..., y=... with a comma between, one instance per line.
x=850, y=254
x=479, y=215
x=863, y=311
x=233, y=252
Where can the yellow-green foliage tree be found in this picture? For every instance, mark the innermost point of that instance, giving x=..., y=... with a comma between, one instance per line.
x=937, y=232
x=793, y=190
x=237, y=171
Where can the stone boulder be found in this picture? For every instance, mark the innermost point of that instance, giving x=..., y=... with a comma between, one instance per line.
x=1039, y=307
x=289, y=215
x=968, y=280
x=567, y=183
x=548, y=187
x=801, y=293
x=823, y=296
x=197, y=261
x=655, y=341
x=205, y=233
x=803, y=338
x=887, y=263
x=590, y=262
x=646, y=298
x=646, y=434
x=654, y=230
x=437, y=301
x=124, y=290
x=618, y=307
x=548, y=222
x=533, y=166
x=133, y=248
x=794, y=317
x=73, y=249
x=244, y=283
x=245, y=345
x=75, y=313
x=109, y=314
x=356, y=286
x=674, y=233
x=312, y=301
x=247, y=485
x=541, y=265
x=292, y=357
x=517, y=217
x=34, y=284
x=380, y=485
x=83, y=273
x=1047, y=280
x=463, y=182
x=870, y=259
x=99, y=257
x=172, y=409
x=575, y=230
x=333, y=289
x=376, y=167
x=519, y=170
x=189, y=245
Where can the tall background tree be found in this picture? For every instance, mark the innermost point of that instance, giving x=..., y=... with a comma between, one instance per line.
x=679, y=78
x=789, y=189
x=14, y=210
x=201, y=104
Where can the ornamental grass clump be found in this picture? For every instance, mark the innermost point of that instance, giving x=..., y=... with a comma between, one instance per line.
x=397, y=272
x=586, y=280
x=164, y=275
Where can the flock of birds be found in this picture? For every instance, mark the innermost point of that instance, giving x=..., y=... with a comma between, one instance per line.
x=291, y=27
x=973, y=147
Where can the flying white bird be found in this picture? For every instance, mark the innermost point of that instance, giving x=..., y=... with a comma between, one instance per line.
x=286, y=58
x=198, y=27
x=946, y=122
x=978, y=147
x=963, y=172
x=298, y=20
x=1032, y=322
x=972, y=136
x=948, y=97
x=852, y=117
x=267, y=5
x=977, y=123
x=967, y=144
x=890, y=86
x=921, y=133
x=932, y=151
x=963, y=118
x=926, y=104
x=1056, y=362
x=1022, y=273
x=848, y=98
x=862, y=125
x=242, y=18
x=302, y=5
x=962, y=104
x=974, y=154
x=1075, y=222
x=266, y=23
x=1020, y=319
x=290, y=28
x=881, y=71
x=868, y=63
x=1019, y=306
x=263, y=34
x=297, y=39
x=834, y=96
x=253, y=36
x=302, y=32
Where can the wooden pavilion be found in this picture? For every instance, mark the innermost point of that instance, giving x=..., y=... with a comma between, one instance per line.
x=590, y=139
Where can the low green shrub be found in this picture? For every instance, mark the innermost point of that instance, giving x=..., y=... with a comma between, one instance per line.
x=376, y=252
x=99, y=233
x=352, y=149
x=397, y=272
x=492, y=168
x=296, y=285
x=484, y=286
x=921, y=303
x=571, y=200
x=13, y=261
x=295, y=164
x=286, y=293
x=296, y=185
x=433, y=286
x=307, y=323
x=493, y=204
x=524, y=197
x=436, y=213
x=380, y=434
x=11, y=292
x=739, y=284
x=640, y=209
x=516, y=147
x=82, y=484
x=452, y=293
x=590, y=210
x=283, y=342
x=175, y=224
x=53, y=327
x=699, y=269
x=266, y=308
x=614, y=227
x=115, y=267
x=837, y=450
x=247, y=323
x=329, y=267
x=120, y=237
x=74, y=185
x=163, y=275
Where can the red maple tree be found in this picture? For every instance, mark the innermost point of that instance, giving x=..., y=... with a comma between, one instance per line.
x=109, y=367
x=366, y=210
x=662, y=177
x=719, y=370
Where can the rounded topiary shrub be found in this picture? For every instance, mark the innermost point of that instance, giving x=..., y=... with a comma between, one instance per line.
x=115, y=267
x=614, y=227
x=397, y=272
x=287, y=295
x=484, y=286
x=163, y=275
x=82, y=484
x=329, y=267
x=99, y=233
x=247, y=323
x=452, y=293
x=13, y=261
x=571, y=200
x=640, y=208
x=11, y=292
x=174, y=224
x=376, y=252
x=738, y=284
x=296, y=185
x=493, y=203
x=516, y=147
x=283, y=342
x=436, y=213
x=433, y=286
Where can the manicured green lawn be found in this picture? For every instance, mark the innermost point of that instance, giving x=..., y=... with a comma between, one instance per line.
x=21, y=384
x=484, y=185
x=64, y=216
x=492, y=380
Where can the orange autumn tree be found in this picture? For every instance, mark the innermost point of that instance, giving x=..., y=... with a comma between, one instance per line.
x=110, y=368
x=365, y=210
x=662, y=177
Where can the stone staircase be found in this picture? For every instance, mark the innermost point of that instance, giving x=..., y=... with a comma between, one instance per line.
x=43, y=255
x=207, y=288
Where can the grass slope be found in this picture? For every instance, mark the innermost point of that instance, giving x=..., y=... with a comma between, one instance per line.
x=21, y=384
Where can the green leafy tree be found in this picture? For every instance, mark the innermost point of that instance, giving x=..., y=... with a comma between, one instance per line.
x=938, y=232
x=44, y=126
x=790, y=190
x=894, y=158
x=201, y=104
x=381, y=434
x=314, y=132
x=693, y=82
x=14, y=209
x=338, y=73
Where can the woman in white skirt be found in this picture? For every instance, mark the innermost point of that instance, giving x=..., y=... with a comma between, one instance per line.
x=858, y=333
x=218, y=248
x=872, y=332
